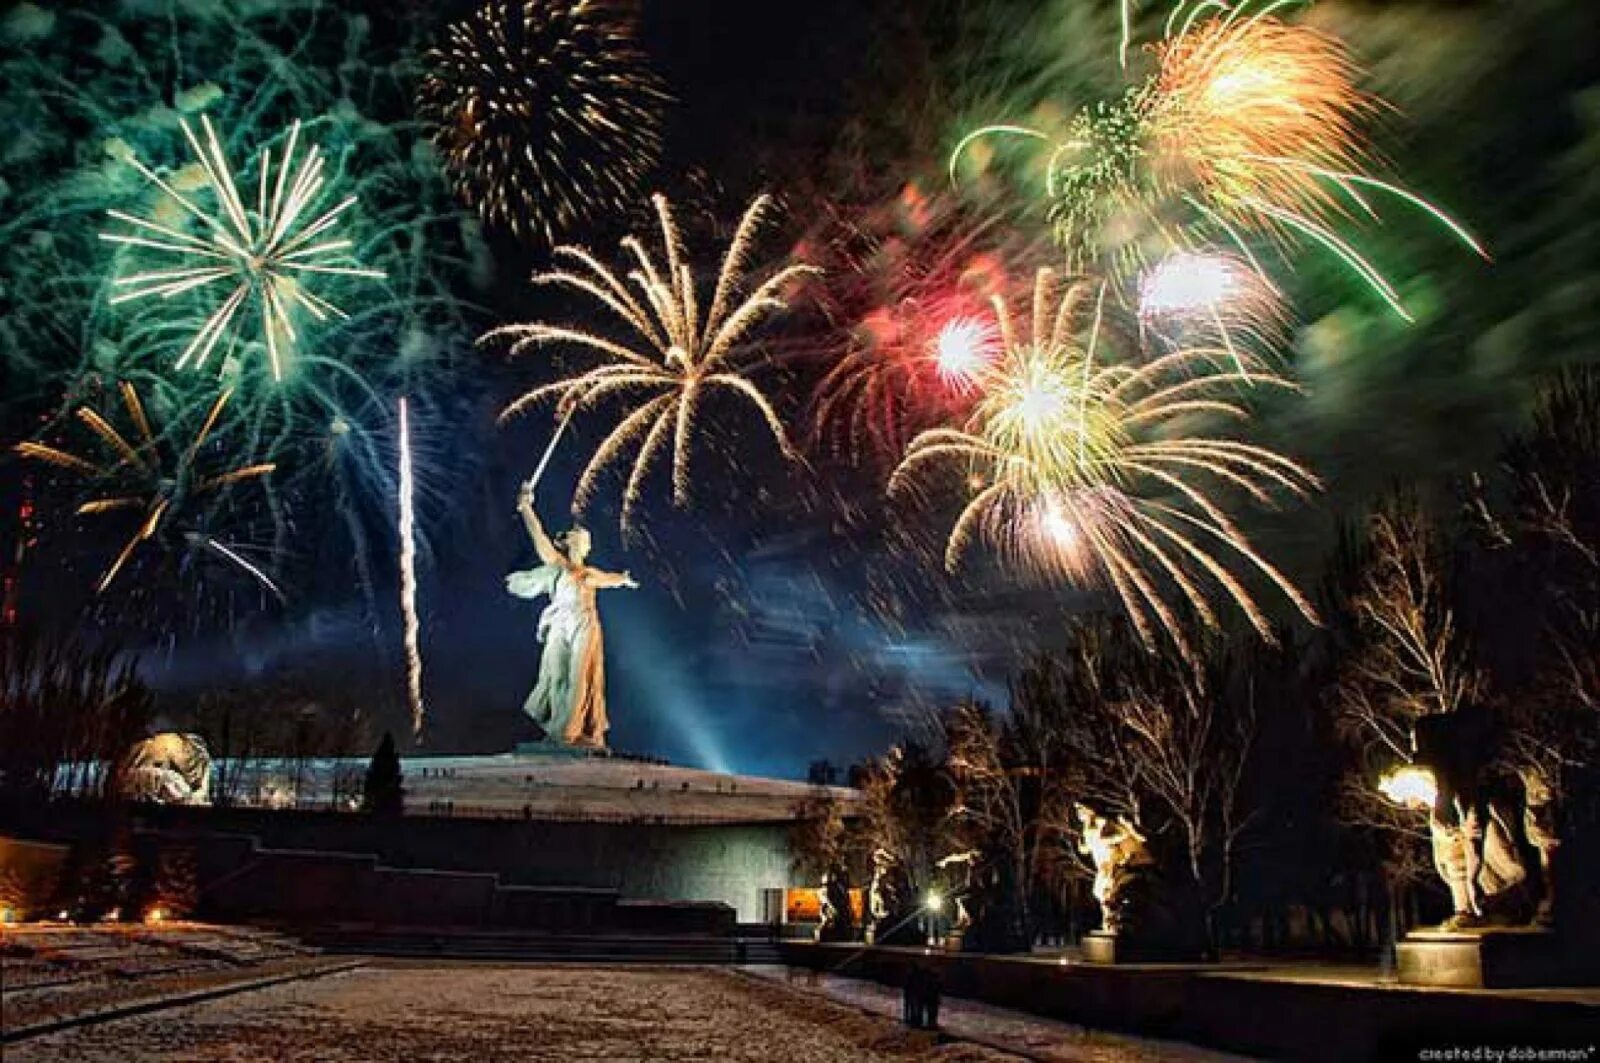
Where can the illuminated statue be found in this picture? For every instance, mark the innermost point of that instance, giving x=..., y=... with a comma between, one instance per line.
x=880, y=891
x=1116, y=847
x=569, y=700
x=1478, y=821
x=168, y=769
x=963, y=860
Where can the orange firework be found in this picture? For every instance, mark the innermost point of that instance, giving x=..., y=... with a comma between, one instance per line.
x=1253, y=112
x=1249, y=129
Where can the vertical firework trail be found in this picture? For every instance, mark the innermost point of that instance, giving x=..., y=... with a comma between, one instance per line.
x=408, y=576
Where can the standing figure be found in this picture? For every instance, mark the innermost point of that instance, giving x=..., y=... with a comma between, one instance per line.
x=569, y=700
x=1116, y=847
x=965, y=861
x=1477, y=831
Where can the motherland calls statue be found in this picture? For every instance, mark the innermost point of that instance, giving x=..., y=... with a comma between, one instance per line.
x=569, y=700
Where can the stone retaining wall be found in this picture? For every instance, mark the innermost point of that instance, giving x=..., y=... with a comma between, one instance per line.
x=1236, y=1010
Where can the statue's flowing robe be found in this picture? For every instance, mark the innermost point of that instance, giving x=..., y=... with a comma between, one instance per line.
x=569, y=700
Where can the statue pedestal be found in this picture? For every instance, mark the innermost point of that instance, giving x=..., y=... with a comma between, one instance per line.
x=1101, y=946
x=556, y=751
x=1104, y=947
x=1498, y=958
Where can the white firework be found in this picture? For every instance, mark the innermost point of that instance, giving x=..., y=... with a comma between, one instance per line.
x=263, y=258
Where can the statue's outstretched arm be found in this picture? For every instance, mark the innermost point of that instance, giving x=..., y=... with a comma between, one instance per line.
x=608, y=580
x=541, y=542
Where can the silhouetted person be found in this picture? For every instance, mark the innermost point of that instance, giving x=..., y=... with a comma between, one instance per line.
x=911, y=998
x=921, y=998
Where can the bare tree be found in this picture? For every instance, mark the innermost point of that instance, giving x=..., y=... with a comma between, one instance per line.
x=906, y=797
x=1546, y=532
x=67, y=714
x=1164, y=743
x=1408, y=656
x=997, y=816
x=819, y=838
x=1413, y=658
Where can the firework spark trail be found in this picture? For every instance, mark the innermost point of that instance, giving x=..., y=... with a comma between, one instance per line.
x=266, y=254
x=225, y=551
x=1087, y=467
x=408, y=577
x=149, y=482
x=679, y=351
x=545, y=112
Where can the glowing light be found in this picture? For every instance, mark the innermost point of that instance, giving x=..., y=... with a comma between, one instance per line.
x=545, y=113
x=1410, y=786
x=963, y=348
x=1090, y=467
x=155, y=916
x=1058, y=526
x=934, y=901
x=408, y=575
x=1211, y=297
x=678, y=352
x=8, y=916
x=263, y=258
x=151, y=482
x=1233, y=91
x=1186, y=283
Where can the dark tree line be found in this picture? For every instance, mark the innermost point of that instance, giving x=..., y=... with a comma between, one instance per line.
x=1253, y=768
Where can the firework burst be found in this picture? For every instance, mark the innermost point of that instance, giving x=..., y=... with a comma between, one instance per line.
x=677, y=353
x=1249, y=130
x=143, y=476
x=545, y=112
x=906, y=290
x=1082, y=466
x=963, y=351
x=263, y=253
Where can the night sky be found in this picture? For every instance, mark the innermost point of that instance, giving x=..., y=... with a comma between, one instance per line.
x=792, y=612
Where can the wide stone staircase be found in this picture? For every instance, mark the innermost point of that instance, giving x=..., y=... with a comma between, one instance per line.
x=455, y=943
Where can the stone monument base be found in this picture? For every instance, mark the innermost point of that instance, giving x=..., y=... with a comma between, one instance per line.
x=1104, y=947
x=557, y=751
x=1497, y=958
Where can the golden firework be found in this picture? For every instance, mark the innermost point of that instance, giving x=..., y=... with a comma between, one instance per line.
x=1249, y=109
x=147, y=480
x=1083, y=466
x=1249, y=131
x=677, y=350
x=545, y=112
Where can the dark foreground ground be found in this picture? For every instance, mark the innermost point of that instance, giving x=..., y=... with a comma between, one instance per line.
x=200, y=994
x=567, y=1014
